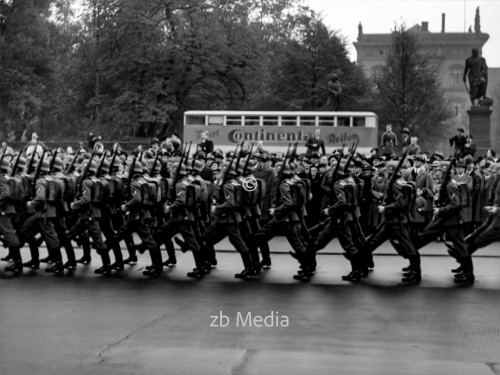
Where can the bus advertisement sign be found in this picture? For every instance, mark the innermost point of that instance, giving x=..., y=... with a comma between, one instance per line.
x=280, y=136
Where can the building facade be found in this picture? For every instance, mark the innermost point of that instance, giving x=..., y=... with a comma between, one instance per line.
x=446, y=50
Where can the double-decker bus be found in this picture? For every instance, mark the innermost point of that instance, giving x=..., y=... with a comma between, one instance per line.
x=277, y=130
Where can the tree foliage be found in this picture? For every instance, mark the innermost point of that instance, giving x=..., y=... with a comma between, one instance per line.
x=128, y=67
x=408, y=88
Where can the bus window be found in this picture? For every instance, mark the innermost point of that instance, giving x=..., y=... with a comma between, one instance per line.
x=358, y=121
x=233, y=120
x=343, y=121
x=288, y=121
x=196, y=120
x=327, y=121
x=270, y=120
x=307, y=121
x=252, y=120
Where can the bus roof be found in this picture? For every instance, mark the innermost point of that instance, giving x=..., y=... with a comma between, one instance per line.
x=280, y=113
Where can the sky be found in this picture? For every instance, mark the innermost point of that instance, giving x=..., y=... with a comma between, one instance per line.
x=380, y=16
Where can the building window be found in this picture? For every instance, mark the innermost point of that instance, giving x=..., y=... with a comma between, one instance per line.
x=456, y=77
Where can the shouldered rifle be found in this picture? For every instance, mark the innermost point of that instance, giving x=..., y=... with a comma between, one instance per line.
x=443, y=198
x=245, y=166
x=337, y=166
x=37, y=174
x=32, y=159
x=85, y=172
x=151, y=172
x=16, y=163
x=2, y=157
x=352, y=151
x=101, y=163
x=70, y=167
x=53, y=160
x=181, y=160
x=293, y=155
x=225, y=176
x=388, y=189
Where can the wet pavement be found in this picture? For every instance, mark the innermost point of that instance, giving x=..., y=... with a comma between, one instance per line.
x=84, y=323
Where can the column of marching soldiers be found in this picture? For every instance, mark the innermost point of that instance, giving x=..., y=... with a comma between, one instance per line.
x=99, y=200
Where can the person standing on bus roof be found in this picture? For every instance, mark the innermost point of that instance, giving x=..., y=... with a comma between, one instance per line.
x=206, y=145
x=389, y=142
x=313, y=144
x=334, y=91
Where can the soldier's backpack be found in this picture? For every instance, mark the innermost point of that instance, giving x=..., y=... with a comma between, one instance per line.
x=193, y=193
x=53, y=191
x=351, y=194
x=409, y=191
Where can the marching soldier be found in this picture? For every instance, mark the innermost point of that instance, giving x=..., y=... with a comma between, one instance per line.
x=337, y=213
x=7, y=211
x=284, y=220
x=57, y=186
x=86, y=206
x=139, y=219
x=447, y=220
x=227, y=222
x=102, y=198
x=42, y=221
x=394, y=226
x=181, y=219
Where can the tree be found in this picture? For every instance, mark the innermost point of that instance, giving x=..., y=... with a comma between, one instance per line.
x=408, y=88
x=304, y=63
x=25, y=69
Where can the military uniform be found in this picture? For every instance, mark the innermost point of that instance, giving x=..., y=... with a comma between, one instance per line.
x=338, y=214
x=139, y=221
x=447, y=219
x=394, y=226
x=42, y=221
x=227, y=223
x=181, y=220
x=284, y=221
x=89, y=215
x=7, y=211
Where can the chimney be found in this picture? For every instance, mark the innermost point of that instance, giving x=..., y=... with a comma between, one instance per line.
x=425, y=26
x=443, y=20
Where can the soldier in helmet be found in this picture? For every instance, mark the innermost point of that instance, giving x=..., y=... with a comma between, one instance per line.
x=394, y=227
x=182, y=218
x=42, y=221
x=139, y=218
x=89, y=215
x=7, y=211
x=102, y=198
x=284, y=218
x=338, y=213
x=228, y=219
x=57, y=187
x=446, y=219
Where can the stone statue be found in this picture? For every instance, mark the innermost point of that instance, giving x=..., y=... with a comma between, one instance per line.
x=334, y=88
x=360, y=30
x=477, y=22
x=476, y=71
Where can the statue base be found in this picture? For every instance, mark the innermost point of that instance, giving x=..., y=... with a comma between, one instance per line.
x=480, y=127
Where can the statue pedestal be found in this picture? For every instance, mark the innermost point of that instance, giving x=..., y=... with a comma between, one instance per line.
x=480, y=128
